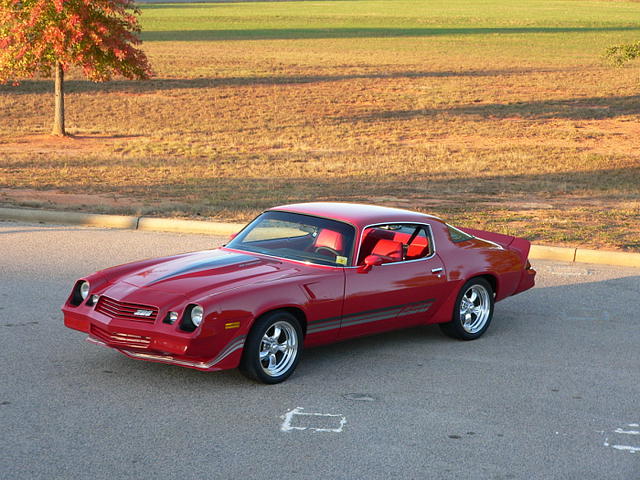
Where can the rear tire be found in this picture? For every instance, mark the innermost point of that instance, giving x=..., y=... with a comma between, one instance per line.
x=273, y=348
x=473, y=311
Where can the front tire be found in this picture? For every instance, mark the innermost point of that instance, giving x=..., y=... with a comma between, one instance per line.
x=273, y=348
x=473, y=311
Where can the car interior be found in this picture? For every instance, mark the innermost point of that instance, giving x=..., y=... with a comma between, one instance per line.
x=395, y=243
x=328, y=242
x=390, y=242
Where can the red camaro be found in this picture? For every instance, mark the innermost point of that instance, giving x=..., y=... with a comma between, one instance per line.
x=300, y=275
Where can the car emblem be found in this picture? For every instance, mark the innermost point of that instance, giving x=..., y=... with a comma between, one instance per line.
x=143, y=313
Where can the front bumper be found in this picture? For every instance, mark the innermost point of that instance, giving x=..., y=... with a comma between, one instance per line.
x=206, y=349
x=217, y=363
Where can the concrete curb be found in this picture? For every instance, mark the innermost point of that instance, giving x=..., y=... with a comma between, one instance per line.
x=188, y=226
x=622, y=259
x=69, y=218
x=583, y=255
x=538, y=252
x=562, y=254
x=120, y=221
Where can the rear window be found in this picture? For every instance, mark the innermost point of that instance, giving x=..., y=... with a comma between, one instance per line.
x=458, y=235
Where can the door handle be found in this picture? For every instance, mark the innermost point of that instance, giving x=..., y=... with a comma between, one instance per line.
x=437, y=270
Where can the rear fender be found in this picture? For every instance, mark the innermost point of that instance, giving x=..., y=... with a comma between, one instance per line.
x=519, y=245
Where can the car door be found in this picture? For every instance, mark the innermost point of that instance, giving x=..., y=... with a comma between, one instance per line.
x=398, y=293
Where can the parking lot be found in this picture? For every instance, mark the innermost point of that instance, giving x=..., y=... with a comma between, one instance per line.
x=551, y=391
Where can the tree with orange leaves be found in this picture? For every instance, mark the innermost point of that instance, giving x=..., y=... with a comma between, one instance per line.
x=49, y=36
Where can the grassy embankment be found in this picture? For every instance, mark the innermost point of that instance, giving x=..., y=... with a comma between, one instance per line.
x=495, y=114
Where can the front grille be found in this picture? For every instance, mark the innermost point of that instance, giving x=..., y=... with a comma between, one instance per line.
x=126, y=311
x=120, y=339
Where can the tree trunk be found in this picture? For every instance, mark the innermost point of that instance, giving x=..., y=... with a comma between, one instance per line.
x=58, y=122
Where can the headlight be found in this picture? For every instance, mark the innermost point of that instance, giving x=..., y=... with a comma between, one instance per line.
x=191, y=318
x=196, y=315
x=84, y=290
x=79, y=293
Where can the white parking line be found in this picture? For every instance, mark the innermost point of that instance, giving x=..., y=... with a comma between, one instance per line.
x=296, y=419
x=624, y=431
x=627, y=448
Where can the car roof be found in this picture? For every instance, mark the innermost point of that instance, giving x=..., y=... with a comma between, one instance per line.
x=357, y=214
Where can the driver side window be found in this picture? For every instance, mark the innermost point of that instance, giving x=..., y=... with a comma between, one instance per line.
x=396, y=242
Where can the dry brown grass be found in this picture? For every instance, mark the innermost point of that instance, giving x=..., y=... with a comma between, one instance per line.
x=547, y=148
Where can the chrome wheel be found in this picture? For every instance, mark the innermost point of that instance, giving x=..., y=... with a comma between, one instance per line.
x=278, y=348
x=475, y=308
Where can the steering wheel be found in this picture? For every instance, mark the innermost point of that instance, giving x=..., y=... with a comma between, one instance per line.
x=323, y=250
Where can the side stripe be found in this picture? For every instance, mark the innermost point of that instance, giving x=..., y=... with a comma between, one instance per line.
x=370, y=316
x=235, y=344
x=322, y=326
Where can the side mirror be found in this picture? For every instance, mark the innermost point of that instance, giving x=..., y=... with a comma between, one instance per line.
x=369, y=262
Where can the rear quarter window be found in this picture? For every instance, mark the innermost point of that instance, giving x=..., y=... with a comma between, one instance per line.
x=458, y=235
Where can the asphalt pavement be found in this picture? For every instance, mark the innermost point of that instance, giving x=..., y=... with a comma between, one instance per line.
x=551, y=391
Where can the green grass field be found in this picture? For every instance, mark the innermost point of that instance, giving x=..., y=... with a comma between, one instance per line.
x=496, y=114
x=397, y=18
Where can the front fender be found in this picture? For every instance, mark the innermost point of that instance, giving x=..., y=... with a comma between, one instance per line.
x=319, y=296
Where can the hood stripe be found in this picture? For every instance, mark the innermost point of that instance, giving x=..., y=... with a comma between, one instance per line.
x=227, y=259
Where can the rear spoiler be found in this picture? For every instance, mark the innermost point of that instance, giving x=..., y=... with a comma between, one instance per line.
x=517, y=244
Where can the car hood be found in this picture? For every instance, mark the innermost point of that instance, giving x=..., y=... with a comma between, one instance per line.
x=218, y=270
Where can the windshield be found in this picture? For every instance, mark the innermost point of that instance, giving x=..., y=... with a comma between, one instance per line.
x=298, y=237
